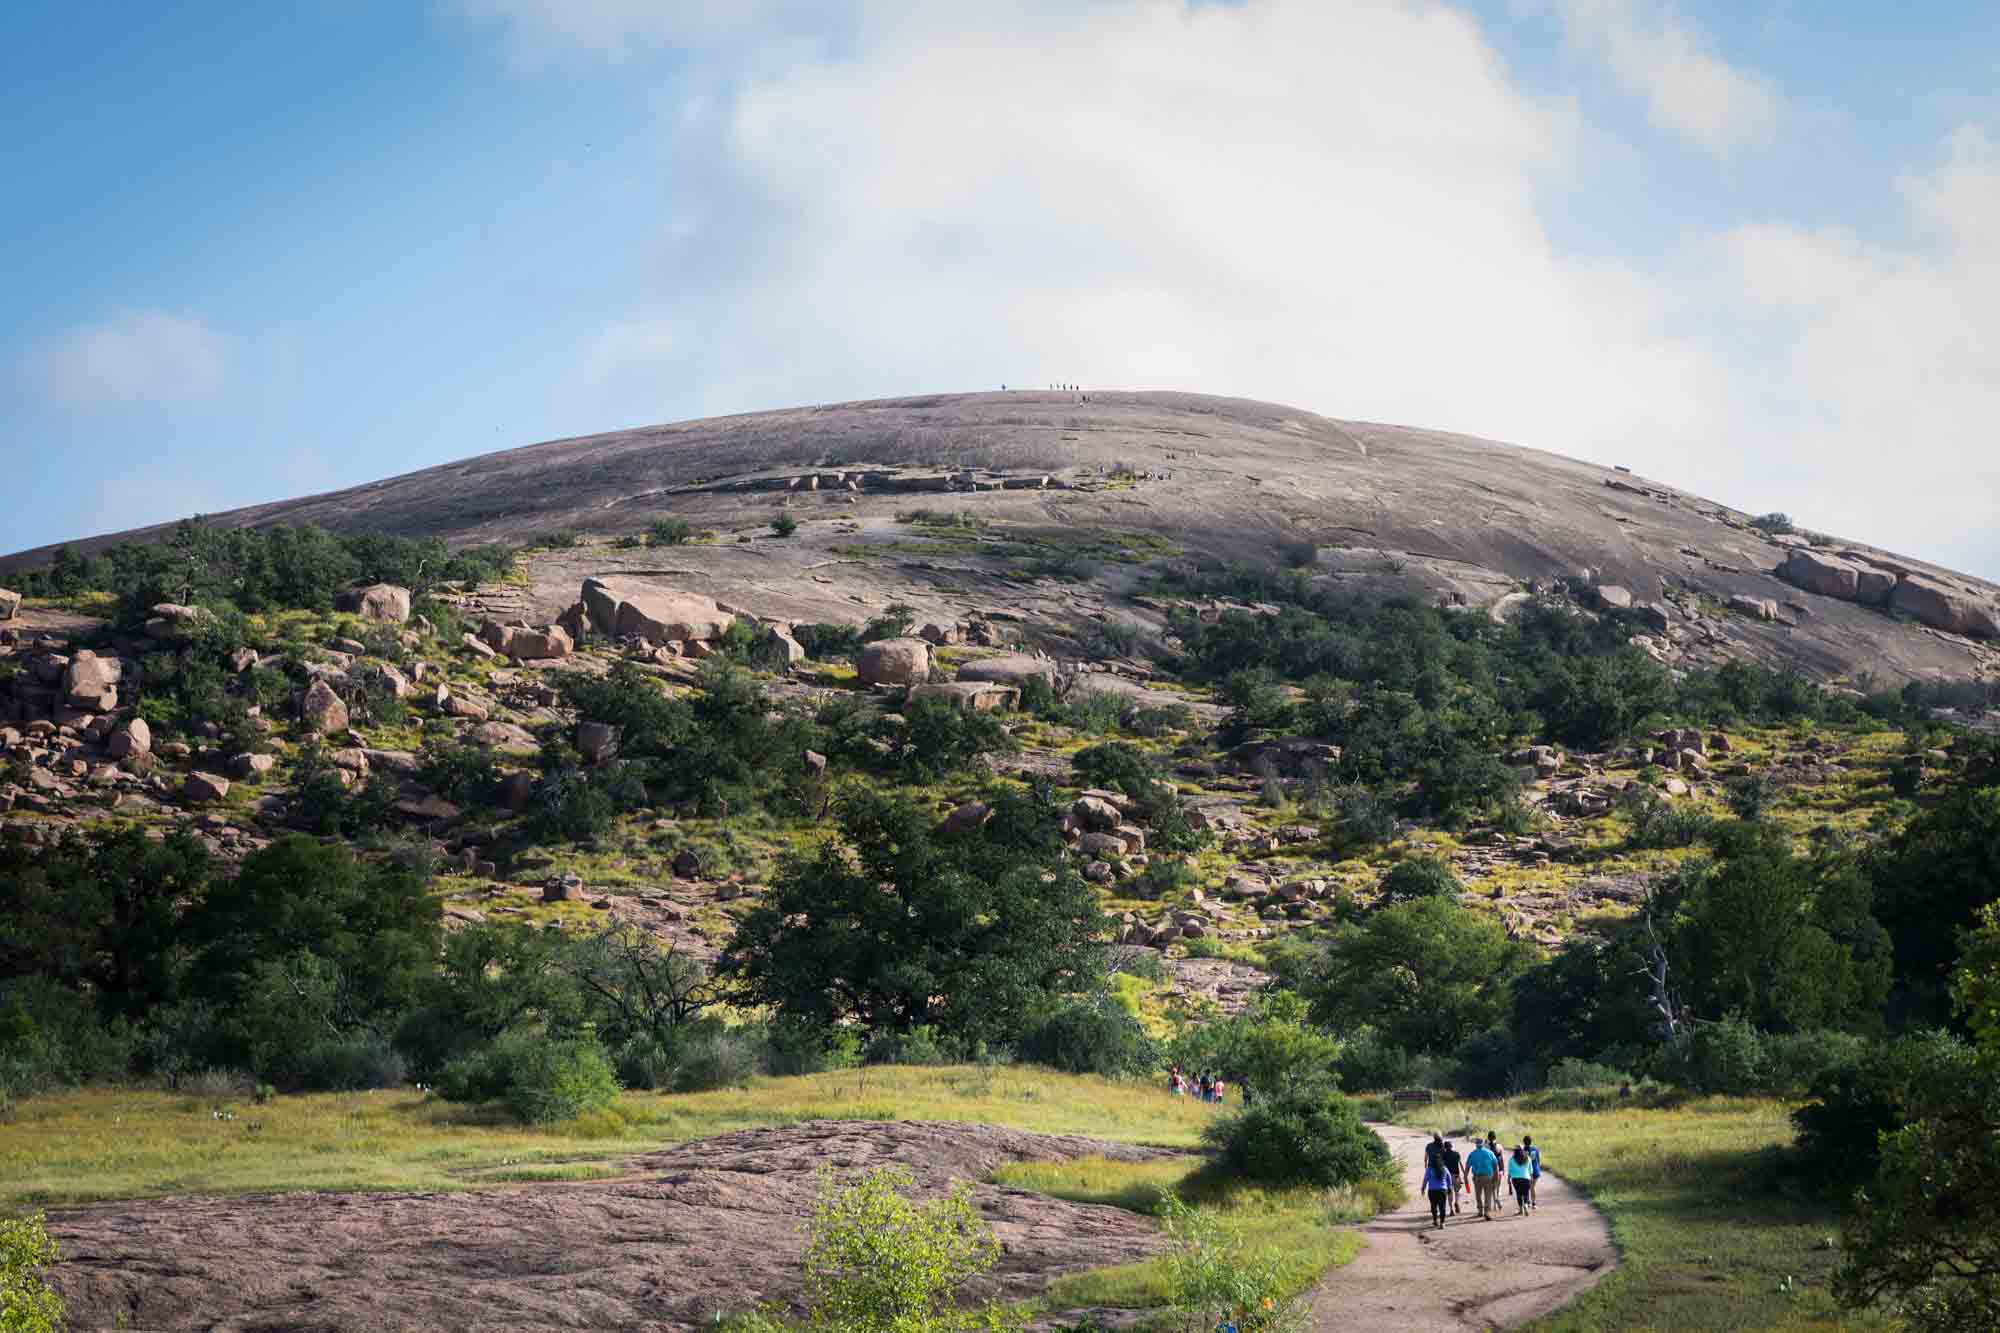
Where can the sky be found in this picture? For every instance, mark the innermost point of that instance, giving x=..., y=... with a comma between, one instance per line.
x=252, y=251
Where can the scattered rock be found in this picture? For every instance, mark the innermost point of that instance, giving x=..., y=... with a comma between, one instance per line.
x=384, y=603
x=321, y=709
x=204, y=788
x=895, y=662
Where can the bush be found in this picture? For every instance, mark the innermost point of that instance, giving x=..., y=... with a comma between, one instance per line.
x=877, y=1261
x=827, y=643
x=350, y=1064
x=1091, y=1036
x=541, y=1079
x=715, y=1057
x=1570, y=1072
x=1795, y=1062
x=1215, y=1281
x=1854, y=1105
x=670, y=532
x=1115, y=766
x=1777, y=524
x=1303, y=1136
x=28, y=1304
x=1726, y=1057
x=50, y=1038
x=465, y=774
x=1162, y=876
x=784, y=525
x=1417, y=877
x=1658, y=823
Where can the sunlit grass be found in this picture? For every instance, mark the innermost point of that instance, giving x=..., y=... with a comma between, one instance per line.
x=109, y=1144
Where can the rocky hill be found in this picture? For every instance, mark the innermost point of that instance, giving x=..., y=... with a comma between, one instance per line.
x=1045, y=505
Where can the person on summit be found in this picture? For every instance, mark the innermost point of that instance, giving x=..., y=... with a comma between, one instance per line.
x=1485, y=1168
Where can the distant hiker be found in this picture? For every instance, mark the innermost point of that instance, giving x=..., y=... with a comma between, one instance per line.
x=1534, y=1160
x=1485, y=1169
x=1437, y=1187
x=1518, y=1169
x=1454, y=1165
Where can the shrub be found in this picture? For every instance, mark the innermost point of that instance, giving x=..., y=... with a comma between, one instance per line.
x=1417, y=877
x=556, y=539
x=784, y=525
x=1750, y=796
x=715, y=1057
x=350, y=1064
x=1854, y=1105
x=1571, y=1072
x=465, y=774
x=1725, y=1057
x=940, y=738
x=826, y=643
x=792, y=1046
x=1795, y=1062
x=50, y=1037
x=1215, y=1281
x=1163, y=875
x=1115, y=766
x=542, y=1079
x=670, y=532
x=1302, y=1136
x=1090, y=1036
x=1658, y=823
x=878, y=1261
x=1776, y=524
x=28, y=1304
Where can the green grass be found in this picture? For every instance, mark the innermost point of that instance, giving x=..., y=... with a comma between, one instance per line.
x=1706, y=1241
x=1309, y=1229
x=111, y=1144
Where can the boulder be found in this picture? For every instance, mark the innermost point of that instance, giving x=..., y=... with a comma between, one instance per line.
x=1008, y=669
x=1945, y=608
x=321, y=709
x=657, y=615
x=1827, y=575
x=394, y=683
x=1757, y=608
x=170, y=620
x=1611, y=597
x=251, y=765
x=941, y=636
x=562, y=888
x=686, y=864
x=895, y=662
x=501, y=736
x=459, y=705
x=1099, y=846
x=10, y=603
x=971, y=815
x=92, y=682
x=595, y=741
x=384, y=603
x=477, y=646
x=517, y=790
x=776, y=650
x=538, y=645
x=135, y=737
x=201, y=788
x=1095, y=814
x=971, y=696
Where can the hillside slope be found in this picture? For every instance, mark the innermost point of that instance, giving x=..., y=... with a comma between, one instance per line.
x=1100, y=483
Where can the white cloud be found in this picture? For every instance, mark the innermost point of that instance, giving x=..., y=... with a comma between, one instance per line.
x=135, y=358
x=1688, y=90
x=1332, y=205
x=1887, y=391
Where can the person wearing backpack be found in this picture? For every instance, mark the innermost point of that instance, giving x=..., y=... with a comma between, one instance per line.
x=1437, y=1188
x=1454, y=1166
x=1534, y=1162
x=1485, y=1168
x=1518, y=1168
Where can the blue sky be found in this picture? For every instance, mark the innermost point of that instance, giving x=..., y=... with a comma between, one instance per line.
x=261, y=250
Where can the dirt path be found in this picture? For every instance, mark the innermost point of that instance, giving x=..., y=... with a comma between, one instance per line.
x=1472, y=1274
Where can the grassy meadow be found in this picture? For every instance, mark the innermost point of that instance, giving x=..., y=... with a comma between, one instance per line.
x=1708, y=1237
x=104, y=1143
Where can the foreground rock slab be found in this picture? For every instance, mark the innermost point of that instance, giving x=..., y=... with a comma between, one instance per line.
x=716, y=1224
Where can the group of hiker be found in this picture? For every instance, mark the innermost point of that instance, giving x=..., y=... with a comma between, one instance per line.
x=1208, y=1086
x=1448, y=1176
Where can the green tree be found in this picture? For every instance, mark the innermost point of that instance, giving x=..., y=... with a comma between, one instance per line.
x=1931, y=882
x=1782, y=941
x=897, y=927
x=1428, y=974
x=1271, y=1047
x=378, y=925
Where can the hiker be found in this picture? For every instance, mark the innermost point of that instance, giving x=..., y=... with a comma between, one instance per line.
x=1437, y=1188
x=1434, y=1149
x=1535, y=1162
x=1454, y=1166
x=1176, y=1084
x=1220, y=1085
x=1485, y=1169
x=1517, y=1175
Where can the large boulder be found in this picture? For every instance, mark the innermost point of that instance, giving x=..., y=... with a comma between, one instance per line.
x=1827, y=575
x=92, y=682
x=657, y=615
x=382, y=602
x=1945, y=608
x=135, y=737
x=202, y=788
x=1008, y=669
x=538, y=645
x=321, y=709
x=776, y=650
x=895, y=662
x=10, y=602
x=971, y=696
x=1611, y=597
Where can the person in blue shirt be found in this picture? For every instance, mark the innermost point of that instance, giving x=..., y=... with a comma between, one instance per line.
x=1437, y=1186
x=1535, y=1165
x=1484, y=1166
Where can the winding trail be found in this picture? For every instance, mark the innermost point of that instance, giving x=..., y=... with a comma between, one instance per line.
x=1472, y=1274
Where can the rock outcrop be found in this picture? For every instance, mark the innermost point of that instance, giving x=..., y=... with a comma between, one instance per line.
x=895, y=662
x=1853, y=577
x=384, y=603
x=623, y=609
